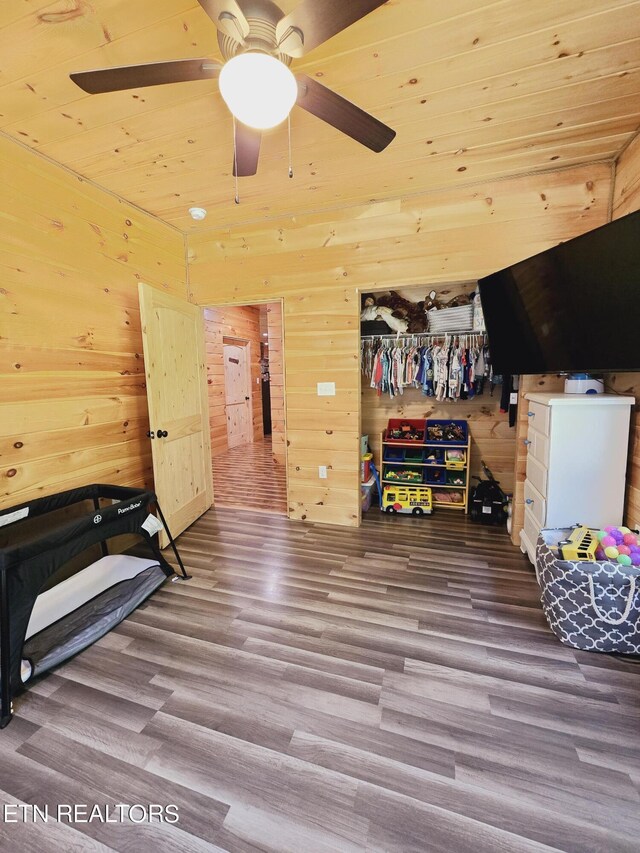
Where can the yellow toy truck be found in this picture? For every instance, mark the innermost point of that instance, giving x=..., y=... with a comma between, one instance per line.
x=580, y=546
x=414, y=500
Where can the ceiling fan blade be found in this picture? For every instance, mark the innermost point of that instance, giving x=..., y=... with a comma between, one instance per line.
x=315, y=21
x=152, y=74
x=228, y=17
x=342, y=114
x=247, y=150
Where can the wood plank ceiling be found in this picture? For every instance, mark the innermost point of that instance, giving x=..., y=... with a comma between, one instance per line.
x=474, y=89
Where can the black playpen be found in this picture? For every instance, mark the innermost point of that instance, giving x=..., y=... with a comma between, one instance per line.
x=56, y=598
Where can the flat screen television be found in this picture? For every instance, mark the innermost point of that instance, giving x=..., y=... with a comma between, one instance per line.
x=573, y=308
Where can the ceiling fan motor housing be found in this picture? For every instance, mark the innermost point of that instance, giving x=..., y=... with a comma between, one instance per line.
x=262, y=17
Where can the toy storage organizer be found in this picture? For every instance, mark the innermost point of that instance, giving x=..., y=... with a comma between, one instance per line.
x=432, y=458
x=43, y=623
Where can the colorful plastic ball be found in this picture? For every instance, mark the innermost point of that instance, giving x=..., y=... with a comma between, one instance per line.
x=624, y=550
x=630, y=539
x=624, y=560
x=619, y=537
x=611, y=551
x=635, y=559
x=608, y=541
x=601, y=534
x=609, y=528
x=624, y=530
x=600, y=555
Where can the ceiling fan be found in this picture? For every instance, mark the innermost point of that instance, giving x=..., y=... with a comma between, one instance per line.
x=258, y=42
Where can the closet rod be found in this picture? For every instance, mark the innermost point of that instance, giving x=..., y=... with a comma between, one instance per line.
x=422, y=335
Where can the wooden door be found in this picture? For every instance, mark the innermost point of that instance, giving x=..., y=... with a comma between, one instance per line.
x=174, y=357
x=237, y=392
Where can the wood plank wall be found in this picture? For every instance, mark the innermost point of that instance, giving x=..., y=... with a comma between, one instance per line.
x=276, y=373
x=492, y=439
x=231, y=321
x=319, y=262
x=73, y=405
x=626, y=199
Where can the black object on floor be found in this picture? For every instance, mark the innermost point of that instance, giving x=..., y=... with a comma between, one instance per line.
x=487, y=501
x=42, y=537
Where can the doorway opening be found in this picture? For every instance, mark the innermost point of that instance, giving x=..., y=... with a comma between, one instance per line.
x=245, y=380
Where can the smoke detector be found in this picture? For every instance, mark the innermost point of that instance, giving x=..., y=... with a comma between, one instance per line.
x=197, y=213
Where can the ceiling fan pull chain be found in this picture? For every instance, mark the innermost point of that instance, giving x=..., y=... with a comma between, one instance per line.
x=235, y=161
x=289, y=130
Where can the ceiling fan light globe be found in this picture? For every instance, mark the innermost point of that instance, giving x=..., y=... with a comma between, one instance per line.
x=259, y=90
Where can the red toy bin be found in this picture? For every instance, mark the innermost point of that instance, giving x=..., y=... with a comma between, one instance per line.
x=418, y=427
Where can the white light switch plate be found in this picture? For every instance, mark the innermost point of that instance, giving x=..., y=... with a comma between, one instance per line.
x=326, y=389
x=322, y=472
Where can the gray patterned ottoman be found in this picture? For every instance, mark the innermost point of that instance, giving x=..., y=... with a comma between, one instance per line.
x=591, y=606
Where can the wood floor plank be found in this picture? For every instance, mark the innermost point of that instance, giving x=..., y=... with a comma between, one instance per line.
x=28, y=837
x=477, y=802
x=248, y=477
x=325, y=689
x=200, y=815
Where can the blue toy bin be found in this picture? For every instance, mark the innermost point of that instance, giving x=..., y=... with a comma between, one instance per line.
x=433, y=456
x=435, y=477
x=444, y=423
x=393, y=454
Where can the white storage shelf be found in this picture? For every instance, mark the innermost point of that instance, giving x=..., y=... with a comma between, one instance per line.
x=577, y=449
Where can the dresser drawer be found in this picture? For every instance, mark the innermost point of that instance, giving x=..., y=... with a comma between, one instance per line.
x=531, y=531
x=537, y=474
x=538, y=416
x=538, y=445
x=535, y=503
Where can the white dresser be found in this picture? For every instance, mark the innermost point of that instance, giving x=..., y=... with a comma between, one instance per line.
x=577, y=446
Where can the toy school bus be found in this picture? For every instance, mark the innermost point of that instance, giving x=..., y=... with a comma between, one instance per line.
x=408, y=499
x=580, y=546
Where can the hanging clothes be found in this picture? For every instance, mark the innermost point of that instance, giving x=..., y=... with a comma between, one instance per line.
x=447, y=367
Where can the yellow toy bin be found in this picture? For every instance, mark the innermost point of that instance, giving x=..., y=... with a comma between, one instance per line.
x=410, y=500
x=455, y=459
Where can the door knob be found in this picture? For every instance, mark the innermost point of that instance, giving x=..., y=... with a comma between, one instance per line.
x=527, y=441
x=162, y=433
x=151, y=434
x=529, y=501
x=247, y=398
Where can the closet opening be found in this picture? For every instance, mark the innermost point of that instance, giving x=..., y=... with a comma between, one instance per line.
x=434, y=417
x=245, y=380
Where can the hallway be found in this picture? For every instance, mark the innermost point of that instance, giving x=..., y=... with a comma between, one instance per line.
x=247, y=477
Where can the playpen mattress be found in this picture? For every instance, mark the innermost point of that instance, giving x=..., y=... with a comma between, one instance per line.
x=83, y=608
x=75, y=591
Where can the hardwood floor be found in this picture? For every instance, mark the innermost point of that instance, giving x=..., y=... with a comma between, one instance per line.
x=316, y=688
x=247, y=476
